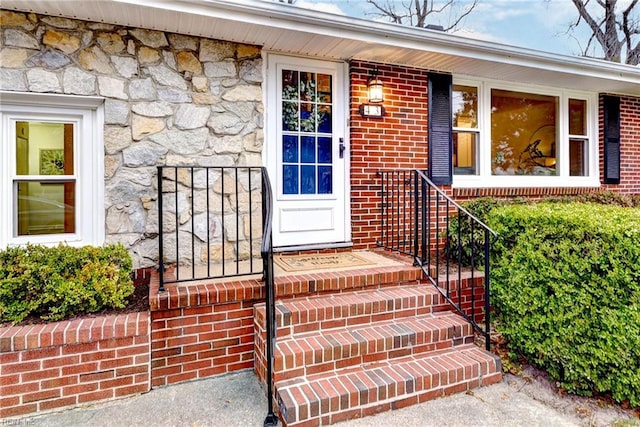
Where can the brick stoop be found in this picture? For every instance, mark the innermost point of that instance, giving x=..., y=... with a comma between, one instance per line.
x=353, y=354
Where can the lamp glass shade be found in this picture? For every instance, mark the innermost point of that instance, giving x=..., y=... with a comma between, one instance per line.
x=375, y=90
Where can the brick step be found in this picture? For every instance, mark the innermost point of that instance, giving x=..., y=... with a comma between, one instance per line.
x=355, y=392
x=328, y=350
x=317, y=283
x=315, y=313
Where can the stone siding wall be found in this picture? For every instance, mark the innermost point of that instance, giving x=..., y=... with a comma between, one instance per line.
x=169, y=100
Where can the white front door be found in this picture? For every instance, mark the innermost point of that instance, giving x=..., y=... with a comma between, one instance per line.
x=306, y=150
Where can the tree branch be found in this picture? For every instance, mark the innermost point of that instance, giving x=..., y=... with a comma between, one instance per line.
x=633, y=54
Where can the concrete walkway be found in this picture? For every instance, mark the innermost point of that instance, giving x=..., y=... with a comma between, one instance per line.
x=238, y=400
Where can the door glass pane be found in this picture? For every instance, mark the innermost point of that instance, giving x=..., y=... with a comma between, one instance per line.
x=306, y=133
x=308, y=180
x=290, y=149
x=324, y=150
x=308, y=149
x=45, y=208
x=324, y=119
x=324, y=88
x=290, y=179
x=325, y=179
x=523, y=133
x=290, y=116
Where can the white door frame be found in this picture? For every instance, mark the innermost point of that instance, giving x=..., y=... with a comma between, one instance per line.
x=311, y=210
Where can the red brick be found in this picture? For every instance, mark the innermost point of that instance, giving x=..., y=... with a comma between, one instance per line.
x=79, y=389
x=131, y=351
x=131, y=390
x=61, y=361
x=79, y=348
x=12, y=368
x=131, y=370
x=97, y=355
x=81, y=368
x=9, y=357
x=116, y=382
x=96, y=376
x=6, y=380
x=58, y=382
x=20, y=388
x=18, y=410
x=96, y=395
x=178, y=378
x=114, y=363
x=116, y=342
x=57, y=403
x=40, y=395
x=40, y=375
x=6, y=402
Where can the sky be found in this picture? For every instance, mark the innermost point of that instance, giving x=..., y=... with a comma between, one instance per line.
x=534, y=24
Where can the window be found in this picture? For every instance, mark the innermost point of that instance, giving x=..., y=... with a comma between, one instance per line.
x=52, y=174
x=522, y=136
x=465, y=130
x=524, y=132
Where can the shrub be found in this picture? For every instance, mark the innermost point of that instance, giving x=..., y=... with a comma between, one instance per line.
x=566, y=289
x=468, y=242
x=462, y=240
x=59, y=282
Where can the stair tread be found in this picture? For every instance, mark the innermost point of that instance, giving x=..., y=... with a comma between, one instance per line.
x=422, y=377
x=359, y=297
x=322, y=311
x=418, y=334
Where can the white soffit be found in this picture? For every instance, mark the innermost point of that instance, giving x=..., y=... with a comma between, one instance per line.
x=292, y=30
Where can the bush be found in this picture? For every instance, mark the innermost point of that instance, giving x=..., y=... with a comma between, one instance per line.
x=566, y=290
x=55, y=283
x=462, y=240
x=481, y=207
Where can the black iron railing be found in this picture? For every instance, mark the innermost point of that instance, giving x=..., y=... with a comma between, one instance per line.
x=210, y=222
x=213, y=222
x=445, y=240
x=266, y=251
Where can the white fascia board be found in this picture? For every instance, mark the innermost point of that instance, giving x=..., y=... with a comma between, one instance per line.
x=288, y=17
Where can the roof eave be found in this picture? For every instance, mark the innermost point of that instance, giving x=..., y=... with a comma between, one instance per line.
x=307, y=32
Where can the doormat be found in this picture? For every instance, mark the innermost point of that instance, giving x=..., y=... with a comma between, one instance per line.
x=319, y=261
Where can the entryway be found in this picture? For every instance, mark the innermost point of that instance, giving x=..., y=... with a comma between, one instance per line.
x=306, y=150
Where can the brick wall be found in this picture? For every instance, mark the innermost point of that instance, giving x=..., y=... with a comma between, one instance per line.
x=629, y=146
x=399, y=141
x=200, y=330
x=396, y=141
x=50, y=366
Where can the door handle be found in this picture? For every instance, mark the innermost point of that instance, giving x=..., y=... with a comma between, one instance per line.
x=341, y=147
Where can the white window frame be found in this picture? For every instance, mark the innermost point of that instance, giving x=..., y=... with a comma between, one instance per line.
x=87, y=115
x=486, y=180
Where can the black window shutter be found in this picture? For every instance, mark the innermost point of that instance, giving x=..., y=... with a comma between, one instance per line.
x=611, y=105
x=440, y=135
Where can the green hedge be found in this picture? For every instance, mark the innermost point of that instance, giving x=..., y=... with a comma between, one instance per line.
x=59, y=282
x=566, y=290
